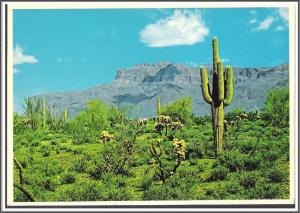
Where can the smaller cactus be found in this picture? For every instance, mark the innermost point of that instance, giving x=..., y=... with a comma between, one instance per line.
x=158, y=108
x=44, y=113
x=65, y=114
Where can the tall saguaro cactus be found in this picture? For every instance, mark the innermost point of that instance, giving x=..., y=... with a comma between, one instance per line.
x=220, y=96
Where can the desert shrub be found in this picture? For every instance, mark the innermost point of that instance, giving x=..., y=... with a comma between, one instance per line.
x=218, y=173
x=267, y=191
x=51, y=184
x=247, y=180
x=79, y=164
x=68, y=178
x=275, y=175
x=91, y=190
x=119, y=115
x=45, y=150
x=251, y=162
x=20, y=124
x=200, y=120
x=276, y=107
x=232, y=115
x=174, y=188
x=233, y=160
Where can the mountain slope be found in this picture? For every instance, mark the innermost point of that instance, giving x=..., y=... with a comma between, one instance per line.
x=143, y=83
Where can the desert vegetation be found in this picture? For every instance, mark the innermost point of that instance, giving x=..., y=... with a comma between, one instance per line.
x=110, y=153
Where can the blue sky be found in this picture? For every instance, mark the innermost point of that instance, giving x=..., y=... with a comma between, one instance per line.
x=66, y=50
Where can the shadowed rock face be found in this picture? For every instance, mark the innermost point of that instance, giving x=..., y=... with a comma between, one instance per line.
x=143, y=83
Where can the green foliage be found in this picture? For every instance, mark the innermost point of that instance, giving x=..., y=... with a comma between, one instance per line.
x=276, y=175
x=248, y=180
x=218, y=173
x=180, y=109
x=68, y=161
x=68, y=178
x=276, y=107
x=95, y=116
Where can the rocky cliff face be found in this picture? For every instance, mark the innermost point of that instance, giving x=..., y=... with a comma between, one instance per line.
x=143, y=83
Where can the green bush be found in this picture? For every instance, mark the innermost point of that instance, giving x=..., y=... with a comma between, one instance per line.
x=276, y=107
x=181, y=109
x=68, y=178
x=233, y=160
x=276, y=175
x=248, y=180
x=218, y=173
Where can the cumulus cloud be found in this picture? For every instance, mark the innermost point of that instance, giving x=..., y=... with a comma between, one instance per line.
x=183, y=27
x=284, y=13
x=265, y=24
x=20, y=58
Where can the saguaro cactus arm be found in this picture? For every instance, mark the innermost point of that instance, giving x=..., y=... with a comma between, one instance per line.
x=205, y=85
x=215, y=54
x=220, y=81
x=229, y=86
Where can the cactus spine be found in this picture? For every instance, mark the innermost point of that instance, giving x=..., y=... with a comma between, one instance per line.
x=221, y=95
x=44, y=113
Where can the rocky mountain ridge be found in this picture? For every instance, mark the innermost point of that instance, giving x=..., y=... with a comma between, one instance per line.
x=141, y=84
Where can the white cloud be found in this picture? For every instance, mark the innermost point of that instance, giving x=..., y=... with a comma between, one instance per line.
x=284, y=13
x=20, y=58
x=252, y=12
x=253, y=21
x=181, y=28
x=265, y=24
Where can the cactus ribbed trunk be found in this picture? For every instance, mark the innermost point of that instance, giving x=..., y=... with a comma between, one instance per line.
x=221, y=95
x=218, y=127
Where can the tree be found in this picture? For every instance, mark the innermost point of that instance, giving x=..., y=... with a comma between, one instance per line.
x=95, y=116
x=276, y=107
x=181, y=109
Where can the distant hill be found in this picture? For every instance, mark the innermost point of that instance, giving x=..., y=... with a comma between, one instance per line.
x=143, y=83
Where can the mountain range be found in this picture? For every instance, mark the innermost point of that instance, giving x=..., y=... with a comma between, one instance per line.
x=141, y=84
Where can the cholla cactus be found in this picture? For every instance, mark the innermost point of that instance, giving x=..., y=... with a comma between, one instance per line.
x=159, y=127
x=106, y=136
x=176, y=125
x=179, y=149
x=165, y=119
